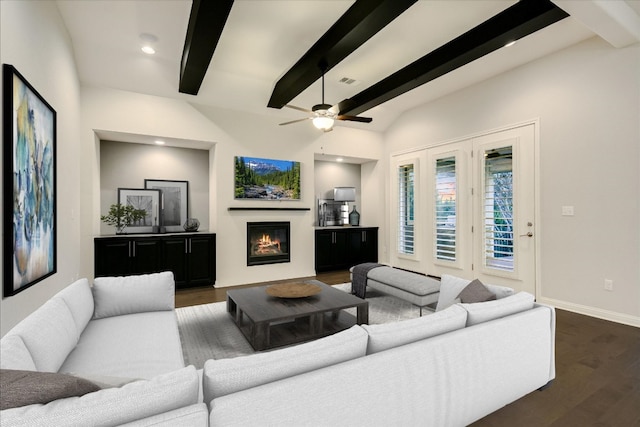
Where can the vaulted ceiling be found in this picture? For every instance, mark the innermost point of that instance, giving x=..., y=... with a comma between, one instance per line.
x=261, y=42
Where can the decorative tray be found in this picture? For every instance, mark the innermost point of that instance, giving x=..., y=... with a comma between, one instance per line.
x=293, y=290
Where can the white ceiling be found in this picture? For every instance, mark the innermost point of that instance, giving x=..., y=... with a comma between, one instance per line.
x=262, y=39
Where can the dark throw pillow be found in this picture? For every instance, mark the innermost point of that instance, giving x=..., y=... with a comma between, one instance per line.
x=21, y=388
x=476, y=292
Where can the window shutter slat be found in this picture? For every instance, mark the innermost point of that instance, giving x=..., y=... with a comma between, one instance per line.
x=445, y=209
x=498, y=208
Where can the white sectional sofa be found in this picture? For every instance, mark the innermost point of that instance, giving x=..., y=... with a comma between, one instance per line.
x=120, y=334
x=449, y=368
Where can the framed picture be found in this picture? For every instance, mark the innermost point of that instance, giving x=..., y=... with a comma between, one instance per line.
x=174, y=203
x=147, y=200
x=29, y=184
x=266, y=179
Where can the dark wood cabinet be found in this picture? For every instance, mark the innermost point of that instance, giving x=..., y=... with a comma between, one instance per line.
x=191, y=257
x=337, y=249
x=363, y=245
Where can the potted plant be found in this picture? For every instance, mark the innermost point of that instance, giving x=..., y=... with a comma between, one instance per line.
x=122, y=216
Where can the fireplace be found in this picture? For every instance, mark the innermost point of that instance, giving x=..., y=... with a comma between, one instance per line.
x=267, y=243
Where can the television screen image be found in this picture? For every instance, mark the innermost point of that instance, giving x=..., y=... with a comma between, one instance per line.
x=266, y=179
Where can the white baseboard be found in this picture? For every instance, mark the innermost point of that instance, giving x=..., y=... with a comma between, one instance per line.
x=593, y=312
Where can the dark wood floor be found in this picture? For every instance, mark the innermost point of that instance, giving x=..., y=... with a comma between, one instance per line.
x=597, y=370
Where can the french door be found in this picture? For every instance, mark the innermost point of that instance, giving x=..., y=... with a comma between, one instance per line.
x=480, y=209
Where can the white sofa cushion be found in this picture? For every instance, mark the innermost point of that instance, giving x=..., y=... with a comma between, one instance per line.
x=79, y=299
x=451, y=286
x=411, y=282
x=139, y=345
x=115, y=296
x=484, y=311
x=225, y=376
x=49, y=333
x=14, y=354
x=189, y=416
x=394, y=334
x=113, y=406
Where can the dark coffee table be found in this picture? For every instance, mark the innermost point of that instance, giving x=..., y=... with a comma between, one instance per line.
x=269, y=322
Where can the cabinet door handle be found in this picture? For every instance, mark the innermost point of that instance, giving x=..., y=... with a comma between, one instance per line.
x=190, y=245
x=364, y=236
x=129, y=247
x=186, y=246
x=134, y=248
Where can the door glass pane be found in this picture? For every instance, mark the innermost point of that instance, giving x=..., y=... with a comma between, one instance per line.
x=405, y=209
x=445, y=209
x=498, y=209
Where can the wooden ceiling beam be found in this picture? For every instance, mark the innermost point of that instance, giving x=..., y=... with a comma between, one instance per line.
x=358, y=24
x=519, y=20
x=206, y=22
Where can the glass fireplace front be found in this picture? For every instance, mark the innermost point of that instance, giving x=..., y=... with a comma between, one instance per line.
x=267, y=243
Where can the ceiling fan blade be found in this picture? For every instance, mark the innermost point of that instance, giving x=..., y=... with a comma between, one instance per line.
x=355, y=119
x=295, y=121
x=299, y=108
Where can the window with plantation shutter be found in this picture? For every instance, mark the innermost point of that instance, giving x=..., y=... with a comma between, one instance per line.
x=498, y=209
x=445, y=209
x=406, y=209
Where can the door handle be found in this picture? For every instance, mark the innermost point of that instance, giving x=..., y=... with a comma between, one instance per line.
x=529, y=234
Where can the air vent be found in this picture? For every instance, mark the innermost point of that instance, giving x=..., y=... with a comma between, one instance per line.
x=348, y=81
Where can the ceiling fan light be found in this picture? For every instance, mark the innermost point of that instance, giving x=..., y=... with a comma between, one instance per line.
x=323, y=123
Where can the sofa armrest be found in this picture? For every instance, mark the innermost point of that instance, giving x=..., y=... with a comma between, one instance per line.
x=113, y=406
x=116, y=296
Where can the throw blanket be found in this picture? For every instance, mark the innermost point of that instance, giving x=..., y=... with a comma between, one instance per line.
x=359, y=278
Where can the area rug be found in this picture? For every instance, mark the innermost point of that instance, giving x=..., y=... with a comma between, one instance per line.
x=208, y=332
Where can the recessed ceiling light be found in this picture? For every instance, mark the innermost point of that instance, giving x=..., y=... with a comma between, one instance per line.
x=159, y=142
x=339, y=159
x=148, y=41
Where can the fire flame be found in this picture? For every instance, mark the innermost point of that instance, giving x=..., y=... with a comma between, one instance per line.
x=265, y=245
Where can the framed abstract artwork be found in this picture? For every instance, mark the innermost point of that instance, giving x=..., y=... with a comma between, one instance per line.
x=29, y=184
x=174, y=202
x=142, y=199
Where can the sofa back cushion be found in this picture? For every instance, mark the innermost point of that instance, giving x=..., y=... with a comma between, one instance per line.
x=485, y=311
x=451, y=286
x=226, y=376
x=14, y=354
x=79, y=300
x=389, y=335
x=49, y=333
x=113, y=406
x=116, y=296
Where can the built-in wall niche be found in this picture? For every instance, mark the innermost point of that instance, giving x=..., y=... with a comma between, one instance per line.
x=127, y=165
x=330, y=174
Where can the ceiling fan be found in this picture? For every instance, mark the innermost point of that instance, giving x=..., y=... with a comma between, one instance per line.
x=323, y=115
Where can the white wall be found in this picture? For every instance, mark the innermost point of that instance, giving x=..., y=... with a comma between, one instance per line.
x=34, y=40
x=264, y=138
x=126, y=165
x=329, y=175
x=106, y=110
x=587, y=98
